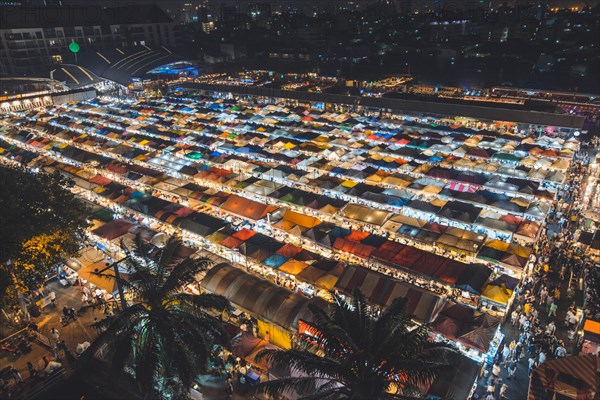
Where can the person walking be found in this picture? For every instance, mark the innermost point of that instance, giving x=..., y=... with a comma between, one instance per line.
x=62, y=345
x=55, y=334
x=531, y=363
x=518, y=350
x=512, y=370
x=541, y=358
x=32, y=371
x=505, y=355
x=543, y=295
x=551, y=328
x=512, y=347
x=522, y=320
x=553, y=309
x=229, y=386
x=549, y=301
x=514, y=316
x=503, y=390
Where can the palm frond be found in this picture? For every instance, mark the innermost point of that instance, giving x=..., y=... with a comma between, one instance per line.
x=302, y=386
x=365, y=356
x=184, y=273
x=123, y=322
x=205, y=301
x=302, y=361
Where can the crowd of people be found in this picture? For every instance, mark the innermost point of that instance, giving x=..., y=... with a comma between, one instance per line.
x=550, y=283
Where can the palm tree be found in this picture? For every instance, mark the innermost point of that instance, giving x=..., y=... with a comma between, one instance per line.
x=165, y=337
x=352, y=355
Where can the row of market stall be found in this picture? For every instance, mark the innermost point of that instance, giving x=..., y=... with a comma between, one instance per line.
x=453, y=212
x=456, y=240
x=305, y=195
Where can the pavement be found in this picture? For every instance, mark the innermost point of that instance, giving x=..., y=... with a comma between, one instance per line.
x=74, y=382
x=517, y=387
x=76, y=332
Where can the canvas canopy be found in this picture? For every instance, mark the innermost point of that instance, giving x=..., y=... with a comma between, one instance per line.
x=263, y=299
x=106, y=281
x=246, y=207
x=365, y=214
x=473, y=279
x=574, y=377
x=456, y=382
x=292, y=218
x=113, y=229
x=497, y=294
x=382, y=290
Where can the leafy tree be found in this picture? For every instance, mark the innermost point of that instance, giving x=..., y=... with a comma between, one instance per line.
x=165, y=337
x=41, y=224
x=353, y=355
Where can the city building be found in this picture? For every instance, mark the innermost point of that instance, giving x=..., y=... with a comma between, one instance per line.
x=32, y=39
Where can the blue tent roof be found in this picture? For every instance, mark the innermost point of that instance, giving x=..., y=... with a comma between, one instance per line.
x=338, y=231
x=275, y=261
x=136, y=194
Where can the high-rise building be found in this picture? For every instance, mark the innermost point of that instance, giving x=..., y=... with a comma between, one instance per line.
x=188, y=14
x=34, y=38
x=206, y=18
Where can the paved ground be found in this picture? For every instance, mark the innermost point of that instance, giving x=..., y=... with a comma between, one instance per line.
x=517, y=387
x=76, y=332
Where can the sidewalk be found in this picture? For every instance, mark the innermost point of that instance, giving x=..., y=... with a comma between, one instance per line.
x=558, y=254
x=76, y=332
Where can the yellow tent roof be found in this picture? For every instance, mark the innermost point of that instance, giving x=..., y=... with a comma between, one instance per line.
x=394, y=180
x=295, y=218
x=373, y=178
x=519, y=250
x=497, y=294
x=328, y=209
x=349, y=184
x=498, y=245
x=103, y=282
x=521, y=201
x=293, y=267
x=327, y=281
x=438, y=202
x=432, y=189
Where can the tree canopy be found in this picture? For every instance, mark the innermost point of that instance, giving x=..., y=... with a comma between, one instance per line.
x=41, y=224
x=165, y=337
x=350, y=354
